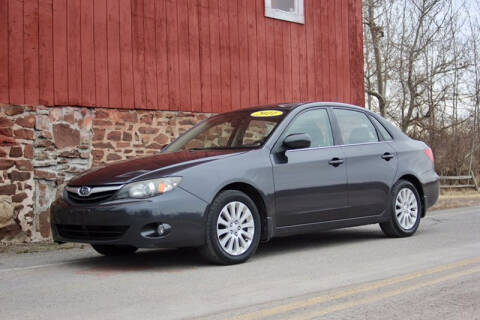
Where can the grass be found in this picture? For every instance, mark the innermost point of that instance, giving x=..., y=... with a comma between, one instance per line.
x=450, y=199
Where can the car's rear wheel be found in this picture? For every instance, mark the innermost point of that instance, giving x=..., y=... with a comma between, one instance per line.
x=405, y=211
x=113, y=250
x=232, y=229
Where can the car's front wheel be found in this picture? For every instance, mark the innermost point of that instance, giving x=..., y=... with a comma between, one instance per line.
x=405, y=211
x=232, y=229
x=114, y=250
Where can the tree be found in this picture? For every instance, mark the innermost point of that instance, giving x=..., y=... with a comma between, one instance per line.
x=422, y=72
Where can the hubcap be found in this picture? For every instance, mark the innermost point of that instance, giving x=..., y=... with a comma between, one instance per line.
x=406, y=208
x=235, y=228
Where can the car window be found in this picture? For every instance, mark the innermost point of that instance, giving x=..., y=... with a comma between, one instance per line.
x=257, y=131
x=316, y=124
x=386, y=135
x=355, y=127
x=244, y=129
x=215, y=137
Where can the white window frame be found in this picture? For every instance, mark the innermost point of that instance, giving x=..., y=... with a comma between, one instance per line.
x=298, y=16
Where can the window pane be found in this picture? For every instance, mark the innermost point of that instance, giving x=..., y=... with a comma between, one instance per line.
x=316, y=124
x=214, y=137
x=257, y=131
x=241, y=129
x=386, y=135
x=355, y=127
x=284, y=5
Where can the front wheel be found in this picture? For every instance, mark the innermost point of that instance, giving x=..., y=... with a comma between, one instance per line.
x=232, y=228
x=405, y=211
x=114, y=250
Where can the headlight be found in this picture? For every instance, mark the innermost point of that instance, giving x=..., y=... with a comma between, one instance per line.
x=148, y=188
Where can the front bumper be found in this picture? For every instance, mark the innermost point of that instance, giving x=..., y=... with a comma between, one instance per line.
x=122, y=222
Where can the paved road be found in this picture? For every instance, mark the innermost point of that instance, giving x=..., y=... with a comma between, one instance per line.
x=346, y=274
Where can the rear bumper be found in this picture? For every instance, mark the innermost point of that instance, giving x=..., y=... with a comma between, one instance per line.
x=124, y=222
x=431, y=192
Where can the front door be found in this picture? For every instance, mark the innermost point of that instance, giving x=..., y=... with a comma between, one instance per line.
x=310, y=183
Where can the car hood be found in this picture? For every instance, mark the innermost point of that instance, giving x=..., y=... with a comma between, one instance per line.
x=162, y=164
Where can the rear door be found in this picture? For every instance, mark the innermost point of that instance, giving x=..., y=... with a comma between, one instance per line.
x=310, y=183
x=370, y=160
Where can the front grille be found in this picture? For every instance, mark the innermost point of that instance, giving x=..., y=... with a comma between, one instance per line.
x=94, y=197
x=78, y=232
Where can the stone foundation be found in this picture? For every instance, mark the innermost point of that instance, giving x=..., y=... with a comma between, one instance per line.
x=42, y=148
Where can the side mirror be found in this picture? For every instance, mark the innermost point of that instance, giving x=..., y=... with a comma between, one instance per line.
x=297, y=141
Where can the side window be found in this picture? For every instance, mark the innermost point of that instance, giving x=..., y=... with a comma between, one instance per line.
x=355, y=127
x=386, y=135
x=316, y=124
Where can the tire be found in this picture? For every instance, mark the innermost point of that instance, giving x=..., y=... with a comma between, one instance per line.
x=234, y=240
x=405, y=211
x=114, y=250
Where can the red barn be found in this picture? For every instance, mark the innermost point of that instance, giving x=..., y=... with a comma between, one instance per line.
x=84, y=82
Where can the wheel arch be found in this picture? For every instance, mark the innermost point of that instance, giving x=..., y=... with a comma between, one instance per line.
x=418, y=185
x=258, y=199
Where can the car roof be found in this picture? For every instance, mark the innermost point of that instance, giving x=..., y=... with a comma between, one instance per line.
x=291, y=106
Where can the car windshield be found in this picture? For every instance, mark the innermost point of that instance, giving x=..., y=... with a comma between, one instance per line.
x=241, y=129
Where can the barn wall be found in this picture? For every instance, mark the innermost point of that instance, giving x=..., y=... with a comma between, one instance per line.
x=126, y=76
x=187, y=55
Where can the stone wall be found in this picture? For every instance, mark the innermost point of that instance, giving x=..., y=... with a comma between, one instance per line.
x=42, y=148
x=119, y=135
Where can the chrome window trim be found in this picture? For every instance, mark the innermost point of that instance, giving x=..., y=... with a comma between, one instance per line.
x=336, y=146
x=94, y=189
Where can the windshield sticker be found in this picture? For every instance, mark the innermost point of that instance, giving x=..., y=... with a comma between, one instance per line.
x=266, y=113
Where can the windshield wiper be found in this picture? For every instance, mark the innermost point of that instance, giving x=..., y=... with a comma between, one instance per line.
x=199, y=149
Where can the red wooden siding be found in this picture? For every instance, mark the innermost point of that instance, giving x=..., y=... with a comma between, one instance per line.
x=187, y=55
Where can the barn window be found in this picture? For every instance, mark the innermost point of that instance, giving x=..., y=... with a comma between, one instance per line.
x=289, y=10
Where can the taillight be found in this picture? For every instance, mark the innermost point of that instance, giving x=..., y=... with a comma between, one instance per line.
x=429, y=154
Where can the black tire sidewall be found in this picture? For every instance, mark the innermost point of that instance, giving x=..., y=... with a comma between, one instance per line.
x=396, y=189
x=214, y=211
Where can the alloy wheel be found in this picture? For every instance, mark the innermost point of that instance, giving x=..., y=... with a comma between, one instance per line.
x=235, y=228
x=406, y=208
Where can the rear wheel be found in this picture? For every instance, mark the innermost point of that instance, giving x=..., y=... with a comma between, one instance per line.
x=114, y=250
x=232, y=230
x=405, y=211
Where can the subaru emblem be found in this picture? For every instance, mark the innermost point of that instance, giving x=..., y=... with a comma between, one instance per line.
x=84, y=191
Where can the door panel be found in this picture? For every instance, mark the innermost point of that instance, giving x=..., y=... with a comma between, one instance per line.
x=370, y=177
x=371, y=164
x=311, y=183
x=308, y=189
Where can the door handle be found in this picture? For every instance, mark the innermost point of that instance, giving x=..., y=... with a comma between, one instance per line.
x=335, y=162
x=387, y=156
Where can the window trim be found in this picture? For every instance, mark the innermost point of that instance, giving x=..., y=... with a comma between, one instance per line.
x=297, y=17
x=335, y=146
